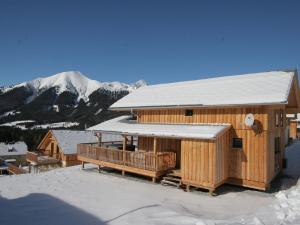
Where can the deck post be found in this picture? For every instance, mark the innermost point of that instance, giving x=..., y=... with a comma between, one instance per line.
x=188, y=188
x=124, y=147
x=99, y=169
x=153, y=179
x=82, y=165
x=155, y=152
x=131, y=140
x=99, y=136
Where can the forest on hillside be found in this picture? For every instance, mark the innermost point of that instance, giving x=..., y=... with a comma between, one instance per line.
x=31, y=137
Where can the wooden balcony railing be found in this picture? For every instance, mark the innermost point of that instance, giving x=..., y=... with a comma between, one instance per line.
x=32, y=157
x=39, y=158
x=137, y=159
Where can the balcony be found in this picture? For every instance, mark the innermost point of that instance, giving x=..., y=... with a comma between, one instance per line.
x=38, y=158
x=152, y=164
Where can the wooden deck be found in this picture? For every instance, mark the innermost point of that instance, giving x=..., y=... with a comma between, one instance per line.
x=37, y=158
x=139, y=162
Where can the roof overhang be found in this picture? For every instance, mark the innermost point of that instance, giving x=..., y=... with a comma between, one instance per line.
x=293, y=105
x=192, y=106
x=122, y=125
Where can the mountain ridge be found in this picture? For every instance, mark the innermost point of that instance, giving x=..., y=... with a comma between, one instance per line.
x=64, y=97
x=74, y=82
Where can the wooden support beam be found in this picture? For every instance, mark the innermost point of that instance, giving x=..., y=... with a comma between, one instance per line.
x=155, y=152
x=99, y=169
x=131, y=140
x=188, y=188
x=99, y=136
x=123, y=172
x=154, y=179
x=82, y=165
x=124, y=147
x=212, y=192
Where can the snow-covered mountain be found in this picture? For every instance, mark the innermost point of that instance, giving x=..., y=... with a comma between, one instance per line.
x=64, y=97
x=74, y=82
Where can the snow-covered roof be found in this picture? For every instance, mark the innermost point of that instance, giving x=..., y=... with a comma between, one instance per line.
x=124, y=125
x=68, y=139
x=251, y=89
x=18, y=148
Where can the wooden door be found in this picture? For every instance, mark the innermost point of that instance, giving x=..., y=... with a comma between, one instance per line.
x=51, y=149
x=277, y=154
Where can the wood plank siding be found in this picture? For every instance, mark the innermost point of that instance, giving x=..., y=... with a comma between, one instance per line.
x=204, y=163
x=253, y=165
x=233, y=116
x=293, y=129
x=198, y=162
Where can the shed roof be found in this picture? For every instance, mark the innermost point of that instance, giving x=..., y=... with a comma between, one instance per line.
x=124, y=125
x=68, y=139
x=249, y=89
x=18, y=148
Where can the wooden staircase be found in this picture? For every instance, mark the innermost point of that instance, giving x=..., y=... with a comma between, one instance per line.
x=172, y=179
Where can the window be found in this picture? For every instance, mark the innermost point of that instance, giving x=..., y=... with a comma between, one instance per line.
x=277, y=145
x=276, y=119
x=237, y=143
x=189, y=112
x=281, y=118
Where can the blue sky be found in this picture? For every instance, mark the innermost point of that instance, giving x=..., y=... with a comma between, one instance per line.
x=158, y=40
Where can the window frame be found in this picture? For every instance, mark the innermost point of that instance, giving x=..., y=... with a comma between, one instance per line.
x=276, y=119
x=277, y=144
x=240, y=141
x=189, y=112
x=281, y=117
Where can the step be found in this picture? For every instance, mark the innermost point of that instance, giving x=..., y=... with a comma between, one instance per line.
x=172, y=179
x=163, y=182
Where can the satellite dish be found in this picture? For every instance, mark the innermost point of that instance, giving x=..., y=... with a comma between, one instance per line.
x=249, y=120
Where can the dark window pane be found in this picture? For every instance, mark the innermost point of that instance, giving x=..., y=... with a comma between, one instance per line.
x=237, y=143
x=189, y=112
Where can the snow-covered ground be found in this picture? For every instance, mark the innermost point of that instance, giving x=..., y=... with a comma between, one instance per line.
x=85, y=197
x=21, y=125
x=56, y=125
x=18, y=124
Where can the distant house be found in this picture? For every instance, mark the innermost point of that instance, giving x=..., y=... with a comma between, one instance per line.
x=203, y=133
x=15, y=151
x=59, y=147
x=11, y=156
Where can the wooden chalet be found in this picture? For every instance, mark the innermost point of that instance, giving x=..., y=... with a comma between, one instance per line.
x=293, y=121
x=59, y=147
x=204, y=133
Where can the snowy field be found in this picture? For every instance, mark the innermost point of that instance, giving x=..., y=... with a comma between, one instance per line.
x=84, y=197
